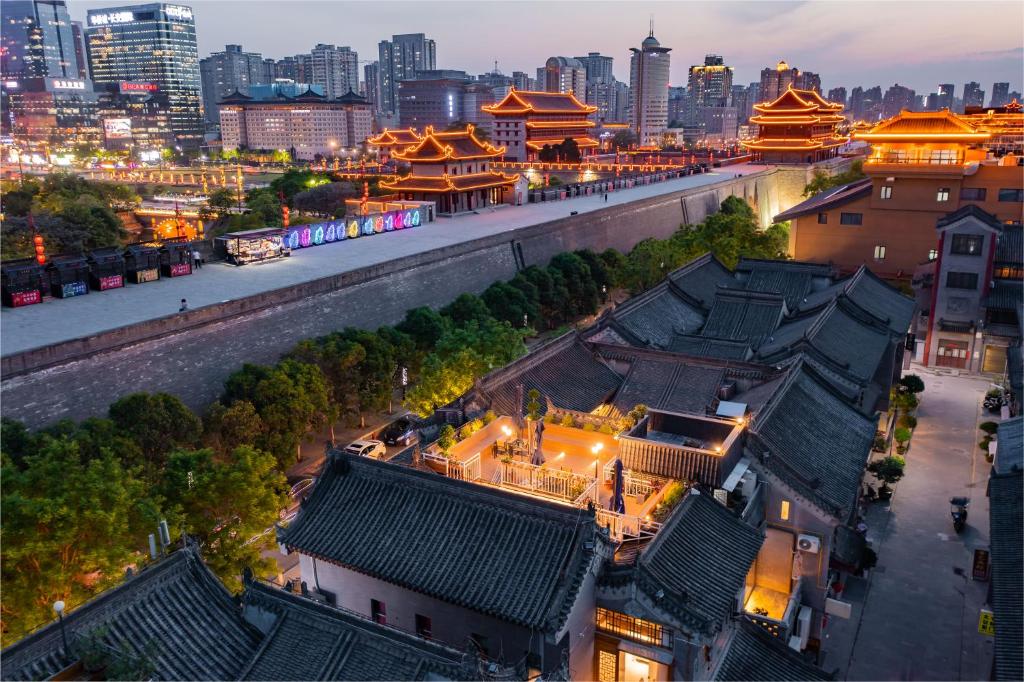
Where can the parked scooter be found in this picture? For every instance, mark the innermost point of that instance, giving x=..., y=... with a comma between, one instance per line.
x=959, y=512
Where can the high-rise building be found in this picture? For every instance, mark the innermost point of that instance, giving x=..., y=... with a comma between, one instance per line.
x=335, y=68
x=565, y=75
x=944, y=97
x=776, y=79
x=974, y=96
x=232, y=70
x=599, y=67
x=866, y=105
x=708, y=85
x=676, y=105
x=837, y=95
x=45, y=100
x=808, y=80
x=400, y=59
x=434, y=102
x=522, y=81
x=740, y=99
x=78, y=35
x=154, y=44
x=648, y=86
x=371, y=84
x=1000, y=94
x=896, y=99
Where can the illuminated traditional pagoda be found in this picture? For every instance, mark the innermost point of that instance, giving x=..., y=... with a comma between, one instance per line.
x=451, y=169
x=390, y=140
x=525, y=121
x=799, y=126
x=926, y=139
x=1005, y=123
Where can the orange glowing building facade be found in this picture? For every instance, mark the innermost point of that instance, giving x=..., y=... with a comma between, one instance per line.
x=525, y=121
x=390, y=140
x=453, y=170
x=922, y=167
x=1005, y=124
x=799, y=126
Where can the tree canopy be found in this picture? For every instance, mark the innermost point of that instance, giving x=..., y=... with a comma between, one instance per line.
x=822, y=180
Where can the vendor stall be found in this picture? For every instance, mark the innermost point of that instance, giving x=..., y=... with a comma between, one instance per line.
x=106, y=268
x=142, y=263
x=175, y=259
x=239, y=248
x=21, y=282
x=68, y=276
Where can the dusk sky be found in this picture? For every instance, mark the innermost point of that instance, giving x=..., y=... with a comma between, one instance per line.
x=918, y=44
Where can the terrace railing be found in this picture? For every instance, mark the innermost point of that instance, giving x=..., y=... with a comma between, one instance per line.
x=625, y=525
x=564, y=485
x=469, y=470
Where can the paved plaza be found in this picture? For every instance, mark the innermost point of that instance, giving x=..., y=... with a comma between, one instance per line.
x=916, y=616
x=62, y=319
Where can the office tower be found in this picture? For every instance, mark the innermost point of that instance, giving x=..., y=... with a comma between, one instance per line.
x=156, y=44
x=837, y=95
x=808, y=80
x=1000, y=94
x=400, y=59
x=521, y=81
x=740, y=99
x=371, y=84
x=974, y=96
x=944, y=98
x=78, y=36
x=223, y=73
x=896, y=99
x=565, y=74
x=1013, y=96
x=598, y=67
x=708, y=85
x=38, y=40
x=775, y=80
x=648, y=84
x=335, y=68
x=676, y=105
x=434, y=102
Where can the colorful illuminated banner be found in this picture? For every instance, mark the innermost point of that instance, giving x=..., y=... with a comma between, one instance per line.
x=70, y=289
x=20, y=298
x=111, y=282
x=178, y=269
x=304, y=236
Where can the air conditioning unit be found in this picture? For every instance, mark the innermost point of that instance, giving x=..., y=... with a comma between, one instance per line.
x=808, y=543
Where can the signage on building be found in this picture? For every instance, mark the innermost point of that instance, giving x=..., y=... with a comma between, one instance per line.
x=111, y=282
x=303, y=236
x=110, y=18
x=987, y=623
x=117, y=128
x=979, y=570
x=179, y=269
x=11, y=84
x=178, y=12
x=68, y=85
x=129, y=87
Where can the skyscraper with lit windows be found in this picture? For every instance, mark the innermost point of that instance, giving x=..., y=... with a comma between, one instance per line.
x=648, y=85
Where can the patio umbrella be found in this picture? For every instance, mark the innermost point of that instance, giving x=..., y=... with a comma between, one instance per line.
x=538, y=457
x=618, y=499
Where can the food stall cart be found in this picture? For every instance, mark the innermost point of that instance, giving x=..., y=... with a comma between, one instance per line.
x=142, y=263
x=251, y=246
x=68, y=276
x=175, y=259
x=21, y=282
x=106, y=268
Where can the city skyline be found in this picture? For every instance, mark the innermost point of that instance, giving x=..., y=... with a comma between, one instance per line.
x=847, y=45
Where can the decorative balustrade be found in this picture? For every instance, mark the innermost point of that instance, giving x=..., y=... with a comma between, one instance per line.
x=468, y=470
x=564, y=485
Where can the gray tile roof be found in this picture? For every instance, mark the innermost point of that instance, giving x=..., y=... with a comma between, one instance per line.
x=754, y=654
x=699, y=560
x=565, y=372
x=794, y=280
x=814, y=439
x=1010, y=245
x=701, y=278
x=455, y=541
x=1010, y=449
x=878, y=298
x=744, y=316
x=830, y=198
x=1006, y=523
x=655, y=317
x=1005, y=295
x=702, y=346
x=177, y=607
x=312, y=641
x=669, y=385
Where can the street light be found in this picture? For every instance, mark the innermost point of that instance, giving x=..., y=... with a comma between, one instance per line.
x=58, y=606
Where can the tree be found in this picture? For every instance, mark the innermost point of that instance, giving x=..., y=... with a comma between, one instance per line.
x=263, y=204
x=551, y=291
x=569, y=151
x=888, y=470
x=158, y=423
x=442, y=380
x=222, y=200
x=547, y=154
x=912, y=383
x=823, y=181
x=624, y=139
x=509, y=304
x=466, y=308
x=614, y=264
x=446, y=438
x=326, y=199
x=424, y=326
x=70, y=528
x=228, y=427
x=578, y=280
x=227, y=503
x=731, y=234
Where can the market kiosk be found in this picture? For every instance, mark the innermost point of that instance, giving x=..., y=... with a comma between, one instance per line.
x=106, y=268
x=22, y=282
x=68, y=276
x=175, y=259
x=142, y=263
x=251, y=246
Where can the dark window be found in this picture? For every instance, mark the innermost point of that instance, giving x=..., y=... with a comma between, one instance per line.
x=967, y=244
x=962, y=280
x=378, y=612
x=851, y=218
x=423, y=627
x=1011, y=195
x=972, y=194
x=823, y=218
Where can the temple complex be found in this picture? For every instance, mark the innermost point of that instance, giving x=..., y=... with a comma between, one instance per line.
x=451, y=169
x=1005, y=124
x=390, y=140
x=526, y=121
x=799, y=126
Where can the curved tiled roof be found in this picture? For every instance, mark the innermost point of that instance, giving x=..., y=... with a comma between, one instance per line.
x=313, y=641
x=753, y=653
x=700, y=279
x=176, y=607
x=744, y=316
x=453, y=145
x=655, y=317
x=700, y=559
x=941, y=124
x=1006, y=520
x=455, y=541
x=669, y=385
x=522, y=101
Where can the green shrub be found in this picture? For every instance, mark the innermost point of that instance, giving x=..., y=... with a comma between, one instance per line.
x=994, y=393
x=902, y=434
x=879, y=443
x=674, y=493
x=567, y=420
x=984, y=443
x=550, y=418
x=446, y=438
x=989, y=427
x=912, y=383
x=606, y=429
x=588, y=427
x=908, y=421
x=489, y=417
x=888, y=470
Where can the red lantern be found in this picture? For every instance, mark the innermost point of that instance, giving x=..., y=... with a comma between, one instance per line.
x=37, y=241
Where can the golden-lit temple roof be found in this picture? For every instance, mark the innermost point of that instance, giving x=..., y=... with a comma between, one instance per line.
x=391, y=138
x=797, y=120
x=456, y=145
x=529, y=101
x=937, y=126
x=449, y=183
x=580, y=142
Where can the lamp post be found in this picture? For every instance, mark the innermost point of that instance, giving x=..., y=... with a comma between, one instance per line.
x=58, y=606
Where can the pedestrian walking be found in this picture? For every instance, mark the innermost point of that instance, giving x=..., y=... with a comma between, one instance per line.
x=184, y=306
x=197, y=258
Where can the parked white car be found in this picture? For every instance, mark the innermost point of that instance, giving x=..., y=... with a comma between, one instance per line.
x=367, y=448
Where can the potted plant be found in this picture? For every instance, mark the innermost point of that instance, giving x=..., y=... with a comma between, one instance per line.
x=888, y=470
x=446, y=439
x=902, y=436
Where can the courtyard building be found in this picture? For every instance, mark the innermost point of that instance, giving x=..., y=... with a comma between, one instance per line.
x=525, y=122
x=797, y=127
